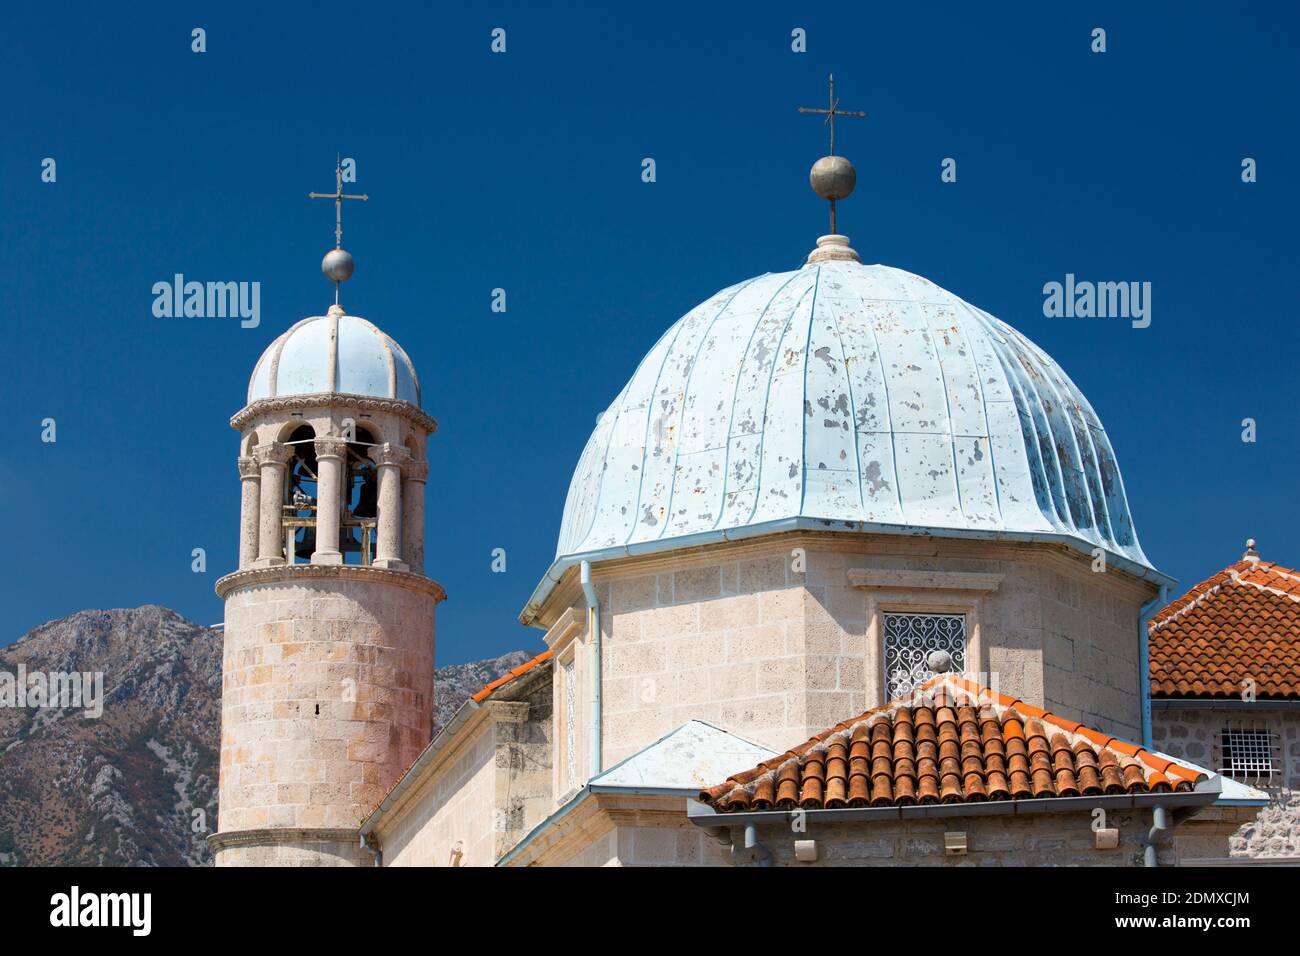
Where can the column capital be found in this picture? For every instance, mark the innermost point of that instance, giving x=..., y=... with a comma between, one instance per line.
x=330, y=446
x=248, y=467
x=415, y=470
x=273, y=453
x=389, y=454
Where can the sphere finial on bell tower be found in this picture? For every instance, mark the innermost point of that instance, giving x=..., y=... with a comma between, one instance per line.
x=338, y=262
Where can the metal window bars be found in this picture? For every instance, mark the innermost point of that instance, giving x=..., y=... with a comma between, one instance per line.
x=1248, y=752
x=910, y=641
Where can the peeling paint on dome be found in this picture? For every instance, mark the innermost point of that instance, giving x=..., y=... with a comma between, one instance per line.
x=852, y=394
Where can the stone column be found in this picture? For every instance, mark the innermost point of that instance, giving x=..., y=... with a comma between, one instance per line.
x=413, y=478
x=271, y=459
x=330, y=453
x=388, y=549
x=250, y=476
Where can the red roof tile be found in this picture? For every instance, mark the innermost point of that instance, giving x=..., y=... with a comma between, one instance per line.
x=1241, y=624
x=954, y=742
x=510, y=675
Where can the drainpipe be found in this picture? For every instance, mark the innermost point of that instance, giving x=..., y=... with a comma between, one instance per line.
x=1163, y=822
x=375, y=852
x=1160, y=827
x=755, y=851
x=593, y=628
x=1144, y=660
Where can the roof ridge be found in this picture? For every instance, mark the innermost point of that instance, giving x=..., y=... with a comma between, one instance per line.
x=1157, y=623
x=1239, y=578
x=1242, y=624
x=491, y=687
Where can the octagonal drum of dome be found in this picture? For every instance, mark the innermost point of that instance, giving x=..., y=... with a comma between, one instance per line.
x=847, y=397
x=334, y=353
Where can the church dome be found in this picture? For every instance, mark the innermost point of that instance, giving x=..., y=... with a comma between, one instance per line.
x=334, y=353
x=845, y=397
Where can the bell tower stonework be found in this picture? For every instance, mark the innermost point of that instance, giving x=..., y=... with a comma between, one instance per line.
x=327, y=673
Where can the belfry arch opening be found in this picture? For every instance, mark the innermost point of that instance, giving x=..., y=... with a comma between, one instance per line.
x=360, y=499
x=300, y=495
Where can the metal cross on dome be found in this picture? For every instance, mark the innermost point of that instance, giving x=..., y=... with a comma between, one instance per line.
x=833, y=112
x=338, y=196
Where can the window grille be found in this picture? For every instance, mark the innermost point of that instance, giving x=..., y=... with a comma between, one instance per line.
x=910, y=642
x=1248, y=753
x=570, y=735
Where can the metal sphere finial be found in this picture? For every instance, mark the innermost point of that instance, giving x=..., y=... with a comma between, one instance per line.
x=833, y=177
x=939, y=661
x=337, y=265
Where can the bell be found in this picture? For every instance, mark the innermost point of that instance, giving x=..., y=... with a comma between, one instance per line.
x=306, y=546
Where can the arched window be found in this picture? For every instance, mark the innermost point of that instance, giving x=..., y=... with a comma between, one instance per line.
x=361, y=497
x=300, y=494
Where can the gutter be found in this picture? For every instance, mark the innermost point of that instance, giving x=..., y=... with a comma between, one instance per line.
x=593, y=628
x=1222, y=703
x=1144, y=659
x=528, y=616
x=704, y=816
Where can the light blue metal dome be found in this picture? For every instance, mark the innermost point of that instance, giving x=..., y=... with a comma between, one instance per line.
x=334, y=353
x=849, y=397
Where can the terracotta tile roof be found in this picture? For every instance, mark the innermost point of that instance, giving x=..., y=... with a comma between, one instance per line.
x=510, y=675
x=953, y=742
x=1241, y=624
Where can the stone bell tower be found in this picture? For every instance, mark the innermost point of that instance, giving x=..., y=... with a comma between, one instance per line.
x=327, y=672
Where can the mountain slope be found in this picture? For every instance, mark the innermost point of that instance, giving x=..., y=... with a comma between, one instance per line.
x=136, y=786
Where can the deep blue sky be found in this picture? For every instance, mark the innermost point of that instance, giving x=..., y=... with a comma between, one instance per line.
x=523, y=171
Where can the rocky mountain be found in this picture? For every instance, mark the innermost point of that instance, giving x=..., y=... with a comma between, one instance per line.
x=453, y=684
x=136, y=785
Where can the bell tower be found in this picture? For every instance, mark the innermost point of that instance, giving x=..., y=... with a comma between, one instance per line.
x=327, y=670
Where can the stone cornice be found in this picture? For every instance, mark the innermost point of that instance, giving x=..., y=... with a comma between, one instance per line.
x=417, y=416
x=566, y=626
x=1060, y=557
x=295, y=573
x=270, y=836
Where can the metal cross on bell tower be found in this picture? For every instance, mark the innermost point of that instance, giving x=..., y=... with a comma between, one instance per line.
x=832, y=177
x=338, y=264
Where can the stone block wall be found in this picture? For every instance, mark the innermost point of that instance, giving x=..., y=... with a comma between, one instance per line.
x=491, y=787
x=454, y=808
x=722, y=642
x=778, y=650
x=1047, y=839
x=327, y=688
x=1193, y=734
x=639, y=830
